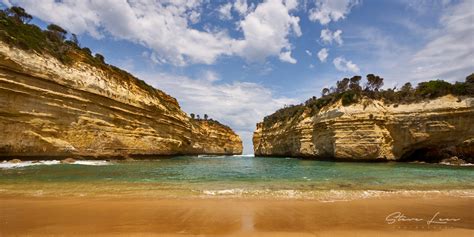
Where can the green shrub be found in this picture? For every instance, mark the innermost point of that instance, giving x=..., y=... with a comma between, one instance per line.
x=433, y=89
x=460, y=88
x=348, y=98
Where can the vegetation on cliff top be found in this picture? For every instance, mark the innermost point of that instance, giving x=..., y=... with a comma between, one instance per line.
x=206, y=119
x=350, y=90
x=16, y=31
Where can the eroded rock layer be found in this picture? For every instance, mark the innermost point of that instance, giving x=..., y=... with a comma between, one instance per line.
x=50, y=109
x=372, y=130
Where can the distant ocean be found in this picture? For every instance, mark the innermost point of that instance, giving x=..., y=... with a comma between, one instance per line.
x=234, y=177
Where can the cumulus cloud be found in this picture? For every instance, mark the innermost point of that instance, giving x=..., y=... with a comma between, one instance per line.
x=238, y=104
x=266, y=31
x=291, y=4
x=449, y=53
x=327, y=36
x=224, y=11
x=308, y=53
x=166, y=27
x=326, y=11
x=323, y=54
x=286, y=57
x=344, y=65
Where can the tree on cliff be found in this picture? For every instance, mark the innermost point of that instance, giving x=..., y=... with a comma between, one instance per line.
x=374, y=83
x=354, y=84
x=325, y=92
x=74, y=41
x=198, y=117
x=192, y=115
x=470, y=84
x=342, y=85
x=19, y=14
x=406, y=92
x=470, y=78
x=206, y=117
x=433, y=89
x=56, y=33
x=100, y=58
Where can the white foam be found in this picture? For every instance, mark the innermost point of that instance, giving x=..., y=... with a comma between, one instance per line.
x=447, y=163
x=246, y=155
x=8, y=165
x=224, y=192
x=91, y=162
x=331, y=195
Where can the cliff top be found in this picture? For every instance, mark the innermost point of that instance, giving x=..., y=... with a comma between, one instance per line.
x=349, y=91
x=16, y=32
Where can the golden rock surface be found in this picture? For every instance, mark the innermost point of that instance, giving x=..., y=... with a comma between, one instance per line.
x=372, y=130
x=51, y=109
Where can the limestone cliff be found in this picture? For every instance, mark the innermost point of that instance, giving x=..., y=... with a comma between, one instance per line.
x=48, y=108
x=373, y=130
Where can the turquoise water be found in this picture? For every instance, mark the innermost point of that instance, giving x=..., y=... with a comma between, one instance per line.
x=230, y=176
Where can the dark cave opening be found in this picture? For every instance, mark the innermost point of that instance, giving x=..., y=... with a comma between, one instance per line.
x=426, y=154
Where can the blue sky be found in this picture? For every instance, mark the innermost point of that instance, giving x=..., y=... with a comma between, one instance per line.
x=239, y=60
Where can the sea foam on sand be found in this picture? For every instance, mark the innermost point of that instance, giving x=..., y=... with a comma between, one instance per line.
x=329, y=195
x=8, y=165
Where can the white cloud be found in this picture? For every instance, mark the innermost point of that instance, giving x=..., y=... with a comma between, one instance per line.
x=450, y=52
x=323, y=54
x=266, y=31
x=308, y=53
x=166, y=26
x=426, y=6
x=286, y=57
x=224, y=11
x=210, y=76
x=241, y=6
x=238, y=104
x=194, y=17
x=443, y=51
x=327, y=36
x=291, y=4
x=326, y=11
x=344, y=65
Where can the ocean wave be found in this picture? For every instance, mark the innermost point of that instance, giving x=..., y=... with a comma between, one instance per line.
x=225, y=156
x=450, y=164
x=245, y=155
x=91, y=162
x=224, y=192
x=9, y=165
x=330, y=195
x=212, y=156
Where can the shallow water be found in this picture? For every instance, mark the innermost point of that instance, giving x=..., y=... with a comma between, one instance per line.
x=217, y=176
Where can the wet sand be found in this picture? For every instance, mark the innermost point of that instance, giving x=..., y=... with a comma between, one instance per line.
x=40, y=216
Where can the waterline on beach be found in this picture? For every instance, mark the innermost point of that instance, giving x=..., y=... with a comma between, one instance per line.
x=234, y=177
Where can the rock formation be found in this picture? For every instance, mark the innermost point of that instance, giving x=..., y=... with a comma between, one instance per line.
x=373, y=130
x=51, y=109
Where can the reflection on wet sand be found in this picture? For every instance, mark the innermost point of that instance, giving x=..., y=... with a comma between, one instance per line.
x=115, y=216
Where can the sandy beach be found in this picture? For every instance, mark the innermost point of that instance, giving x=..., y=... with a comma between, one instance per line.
x=42, y=216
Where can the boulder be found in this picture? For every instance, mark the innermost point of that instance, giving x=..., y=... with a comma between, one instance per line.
x=453, y=161
x=68, y=161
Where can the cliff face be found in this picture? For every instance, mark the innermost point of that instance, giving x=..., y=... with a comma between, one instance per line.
x=372, y=130
x=50, y=109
